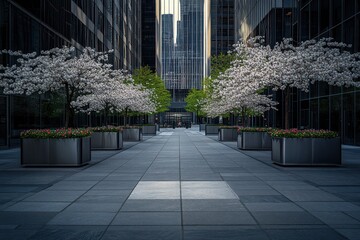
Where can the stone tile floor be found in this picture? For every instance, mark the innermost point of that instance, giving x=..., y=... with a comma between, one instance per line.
x=180, y=184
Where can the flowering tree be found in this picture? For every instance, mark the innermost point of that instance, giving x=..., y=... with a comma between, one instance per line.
x=284, y=67
x=115, y=93
x=237, y=90
x=312, y=61
x=139, y=100
x=195, y=102
x=150, y=80
x=231, y=98
x=55, y=70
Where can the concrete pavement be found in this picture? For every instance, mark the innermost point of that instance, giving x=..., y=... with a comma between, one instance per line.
x=180, y=185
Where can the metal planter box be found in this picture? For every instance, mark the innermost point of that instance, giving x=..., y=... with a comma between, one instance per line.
x=254, y=141
x=149, y=130
x=132, y=134
x=106, y=140
x=202, y=127
x=227, y=134
x=306, y=151
x=211, y=129
x=55, y=152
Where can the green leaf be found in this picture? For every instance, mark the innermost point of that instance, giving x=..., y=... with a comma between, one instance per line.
x=195, y=101
x=152, y=81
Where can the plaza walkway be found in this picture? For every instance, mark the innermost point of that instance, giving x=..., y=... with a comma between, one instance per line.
x=180, y=185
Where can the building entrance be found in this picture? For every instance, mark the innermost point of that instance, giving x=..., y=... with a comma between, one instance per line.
x=180, y=119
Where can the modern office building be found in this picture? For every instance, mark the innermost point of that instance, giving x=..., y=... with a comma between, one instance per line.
x=269, y=18
x=183, y=36
x=44, y=24
x=222, y=26
x=167, y=49
x=148, y=34
x=324, y=107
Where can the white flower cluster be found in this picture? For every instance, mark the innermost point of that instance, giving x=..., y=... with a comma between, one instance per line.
x=258, y=67
x=311, y=61
x=116, y=93
x=87, y=80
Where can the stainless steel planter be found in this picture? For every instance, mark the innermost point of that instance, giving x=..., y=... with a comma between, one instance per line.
x=306, y=151
x=227, y=134
x=132, y=134
x=55, y=152
x=254, y=141
x=211, y=129
x=149, y=130
x=202, y=127
x=107, y=140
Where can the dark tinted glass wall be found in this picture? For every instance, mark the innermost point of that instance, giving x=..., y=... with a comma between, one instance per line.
x=327, y=107
x=148, y=33
x=22, y=29
x=44, y=24
x=324, y=107
x=222, y=26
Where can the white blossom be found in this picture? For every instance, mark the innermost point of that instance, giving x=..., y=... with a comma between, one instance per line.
x=258, y=67
x=87, y=80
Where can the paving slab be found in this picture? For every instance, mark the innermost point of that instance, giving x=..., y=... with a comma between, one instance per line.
x=180, y=185
x=147, y=218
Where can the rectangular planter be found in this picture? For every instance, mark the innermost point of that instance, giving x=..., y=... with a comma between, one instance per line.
x=202, y=127
x=227, y=134
x=306, y=151
x=106, y=140
x=55, y=152
x=149, y=130
x=211, y=130
x=254, y=141
x=132, y=134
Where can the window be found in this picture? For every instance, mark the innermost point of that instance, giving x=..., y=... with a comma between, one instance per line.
x=335, y=113
x=324, y=113
x=3, y=121
x=314, y=22
x=357, y=119
x=324, y=15
x=305, y=23
x=314, y=111
x=336, y=12
x=349, y=8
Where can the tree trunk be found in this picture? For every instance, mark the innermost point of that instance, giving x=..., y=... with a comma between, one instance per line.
x=69, y=111
x=106, y=113
x=67, y=116
x=125, y=116
x=243, y=117
x=286, y=108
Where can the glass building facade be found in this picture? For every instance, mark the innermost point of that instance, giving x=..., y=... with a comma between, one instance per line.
x=222, y=26
x=184, y=51
x=324, y=107
x=148, y=35
x=44, y=24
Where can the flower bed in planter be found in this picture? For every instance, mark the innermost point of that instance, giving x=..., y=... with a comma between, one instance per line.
x=58, y=147
x=227, y=133
x=211, y=129
x=254, y=139
x=305, y=147
x=106, y=138
x=149, y=129
x=132, y=133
